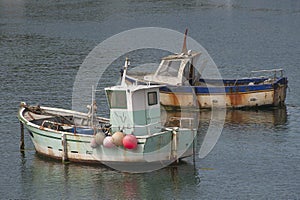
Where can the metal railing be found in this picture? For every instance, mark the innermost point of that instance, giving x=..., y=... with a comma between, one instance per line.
x=183, y=121
x=274, y=71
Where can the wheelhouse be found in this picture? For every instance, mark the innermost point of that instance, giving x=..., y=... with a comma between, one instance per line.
x=134, y=109
x=176, y=69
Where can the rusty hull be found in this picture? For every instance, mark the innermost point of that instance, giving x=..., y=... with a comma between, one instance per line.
x=230, y=100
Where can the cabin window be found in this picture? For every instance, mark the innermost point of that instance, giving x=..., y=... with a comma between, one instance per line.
x=152, y=98
x=170, y=68
x=117, y=99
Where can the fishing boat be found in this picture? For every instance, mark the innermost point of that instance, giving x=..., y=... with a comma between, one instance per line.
x=133, y=139
x=185, y=87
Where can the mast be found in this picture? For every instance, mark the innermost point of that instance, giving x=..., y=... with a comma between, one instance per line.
x=184, y=48
x=123, y=83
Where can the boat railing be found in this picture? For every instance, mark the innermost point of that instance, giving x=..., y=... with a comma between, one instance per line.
x=235, y=82
x=275, y=73
x=183, y=122
x=147, y=127
x=180, y=122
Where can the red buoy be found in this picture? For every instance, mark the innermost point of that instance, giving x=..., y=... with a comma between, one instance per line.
x=130, y=141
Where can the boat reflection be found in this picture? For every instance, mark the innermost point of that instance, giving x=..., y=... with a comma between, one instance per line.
x=211, y=124
x=268, y=116
x=80, y=181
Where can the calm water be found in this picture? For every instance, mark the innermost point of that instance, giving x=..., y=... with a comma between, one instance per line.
x=43, y=43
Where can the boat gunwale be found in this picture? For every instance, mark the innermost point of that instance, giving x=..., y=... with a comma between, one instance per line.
x=58, y=132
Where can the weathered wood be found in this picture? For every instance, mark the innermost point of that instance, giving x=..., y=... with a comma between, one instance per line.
x=174, y=146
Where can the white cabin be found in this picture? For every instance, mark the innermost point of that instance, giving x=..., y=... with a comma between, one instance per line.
x=134, y=109
x=178, y=69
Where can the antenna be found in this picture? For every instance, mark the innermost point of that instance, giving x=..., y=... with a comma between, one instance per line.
x=123, y=82
x=184, y=49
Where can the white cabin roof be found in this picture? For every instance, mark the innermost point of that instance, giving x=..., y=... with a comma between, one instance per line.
x=172, y=68
x=132, y=88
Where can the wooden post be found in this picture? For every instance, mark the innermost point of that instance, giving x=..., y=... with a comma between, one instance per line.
x=194, y=148
x=22, y=144
x=174, y=145
x=65, y=158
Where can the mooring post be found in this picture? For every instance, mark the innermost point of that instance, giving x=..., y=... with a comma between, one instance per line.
x=22, y=144
x=174, y=145
x=65, y=149
x=194, y=149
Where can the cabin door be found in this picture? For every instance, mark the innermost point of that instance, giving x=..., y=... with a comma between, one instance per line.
x=139, y=108
x=153, y=107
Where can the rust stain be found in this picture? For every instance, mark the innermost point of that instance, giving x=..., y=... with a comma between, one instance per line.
x=279, y=95
x=174, y=100
x=236, y=99
x=50, y=152
x=169, y=99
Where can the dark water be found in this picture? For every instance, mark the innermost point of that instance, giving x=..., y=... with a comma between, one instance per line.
x=43, y=43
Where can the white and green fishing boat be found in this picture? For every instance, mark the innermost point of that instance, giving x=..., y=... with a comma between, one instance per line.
x=134, y=139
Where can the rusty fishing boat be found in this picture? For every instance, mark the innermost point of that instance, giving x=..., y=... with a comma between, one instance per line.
x=185, y=87
x=134, y=135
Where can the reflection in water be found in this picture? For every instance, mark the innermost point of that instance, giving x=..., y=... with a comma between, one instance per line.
x=268, y=116
x=48, y=178
x=273, y=116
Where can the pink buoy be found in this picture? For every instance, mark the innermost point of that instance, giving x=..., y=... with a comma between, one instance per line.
x=108, y=142
x=118, y=138
x=93, y=143
x=130, y=142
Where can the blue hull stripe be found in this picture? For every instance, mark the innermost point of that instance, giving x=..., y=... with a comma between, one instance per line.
x=217, y=90
x=234, y=89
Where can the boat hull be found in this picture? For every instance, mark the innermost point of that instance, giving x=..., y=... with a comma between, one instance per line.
x=79, y=148
x=158, y=147
x=227, y=96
